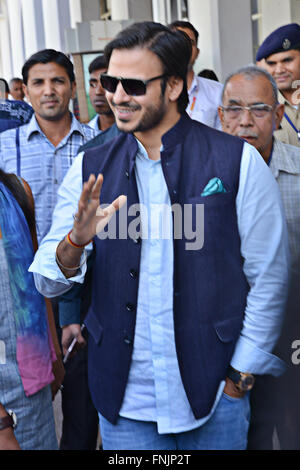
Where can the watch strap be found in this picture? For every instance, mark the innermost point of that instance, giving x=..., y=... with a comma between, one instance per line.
x=233, y=375
x=6, y=422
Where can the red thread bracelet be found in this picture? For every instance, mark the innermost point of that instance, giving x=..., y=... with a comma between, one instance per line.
x=68, y=238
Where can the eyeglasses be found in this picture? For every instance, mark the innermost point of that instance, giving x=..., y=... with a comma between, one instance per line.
x=257, y=110
x=132, y=86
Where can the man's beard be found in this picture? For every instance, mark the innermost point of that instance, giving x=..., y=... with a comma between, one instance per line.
x=152, y=117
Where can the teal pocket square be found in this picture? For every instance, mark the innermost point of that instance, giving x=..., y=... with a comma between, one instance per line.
x=214, y=186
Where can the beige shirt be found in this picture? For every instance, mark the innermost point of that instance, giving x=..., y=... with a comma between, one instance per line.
x=287, y=134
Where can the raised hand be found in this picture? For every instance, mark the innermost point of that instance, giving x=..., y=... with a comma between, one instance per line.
x=90, y=219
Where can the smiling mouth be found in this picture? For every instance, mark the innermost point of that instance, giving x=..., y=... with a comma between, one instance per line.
x=50, y=102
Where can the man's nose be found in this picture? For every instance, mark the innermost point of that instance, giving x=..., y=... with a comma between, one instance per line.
x=279, y=68
x=246, y=118
x=99, y=89
x=48, y=88
x=120, y=95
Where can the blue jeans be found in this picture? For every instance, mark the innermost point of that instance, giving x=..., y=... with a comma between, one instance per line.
x=226, y=430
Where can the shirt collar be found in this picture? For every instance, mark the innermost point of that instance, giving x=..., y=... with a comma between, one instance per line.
x=284, y=101
x=194, y=85
x=33, y=127
x=281, y=160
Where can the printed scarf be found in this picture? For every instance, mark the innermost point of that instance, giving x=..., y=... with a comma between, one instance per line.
x=35, y=352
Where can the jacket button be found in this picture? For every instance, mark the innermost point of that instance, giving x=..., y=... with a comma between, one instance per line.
x=127, y=173
x=128, y=340
x=133, y=273
x=130, y=307
x=136, y=240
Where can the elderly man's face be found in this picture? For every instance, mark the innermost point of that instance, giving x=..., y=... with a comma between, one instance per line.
x=256, y=130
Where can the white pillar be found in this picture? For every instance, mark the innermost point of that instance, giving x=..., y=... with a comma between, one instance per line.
x=275, y=13
x=5, y=48
x=200, y=16
x=233, y=21
x=225, y=34
x=34, y=39
x=75, y=12
x=16, y=35
x=119, y=10
x=51, y=24
x=159, y=11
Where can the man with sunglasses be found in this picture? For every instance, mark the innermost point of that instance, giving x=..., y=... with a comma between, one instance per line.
x=251, y=111
x=175, y=329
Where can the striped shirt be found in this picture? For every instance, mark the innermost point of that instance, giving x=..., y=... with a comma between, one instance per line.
x=42, y=164
x=285, y=166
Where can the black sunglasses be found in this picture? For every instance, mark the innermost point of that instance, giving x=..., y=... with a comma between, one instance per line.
x=132, y=86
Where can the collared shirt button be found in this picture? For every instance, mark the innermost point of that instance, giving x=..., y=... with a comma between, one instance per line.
x=133, y=273
x=128, y=340
x=130, y=307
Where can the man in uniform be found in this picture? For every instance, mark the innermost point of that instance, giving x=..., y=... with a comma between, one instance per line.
x=279, y=54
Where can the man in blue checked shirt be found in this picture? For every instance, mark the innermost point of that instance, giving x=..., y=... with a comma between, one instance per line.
x=41, y=152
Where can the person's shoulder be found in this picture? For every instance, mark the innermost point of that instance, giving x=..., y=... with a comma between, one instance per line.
x=101, y=138
x=88, y=131
x=211, y=85
x=291, y=151
x=213, y=133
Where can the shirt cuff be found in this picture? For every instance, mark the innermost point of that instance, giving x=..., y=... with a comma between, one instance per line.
x=250, y=358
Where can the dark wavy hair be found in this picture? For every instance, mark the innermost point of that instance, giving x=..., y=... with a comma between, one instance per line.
x=173, y=48
x=44, y=57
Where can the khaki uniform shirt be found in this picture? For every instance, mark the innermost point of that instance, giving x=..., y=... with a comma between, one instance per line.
x=287, y=134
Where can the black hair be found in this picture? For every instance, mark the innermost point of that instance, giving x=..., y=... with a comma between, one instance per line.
x=44, y=57
x=6, y=87
x=184, y=24
x=208, y=73
x=171, y=47
x=98, y=63
x=16, y=188
x=14, y=80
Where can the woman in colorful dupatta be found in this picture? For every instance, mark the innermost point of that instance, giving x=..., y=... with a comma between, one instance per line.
x=25, y=342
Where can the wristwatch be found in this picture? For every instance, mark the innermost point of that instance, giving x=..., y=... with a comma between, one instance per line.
x=9, y=421
x=242, y=380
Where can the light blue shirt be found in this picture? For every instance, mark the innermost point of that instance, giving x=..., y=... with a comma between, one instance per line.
x=43, y=165
x=94, y=124
x=205, y=96
x=154, y=391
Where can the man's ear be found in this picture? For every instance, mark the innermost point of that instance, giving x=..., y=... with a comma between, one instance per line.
x=221, y=116
x=74, y=88
x=175, y=86
x=279, y=112
x=25, y=91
